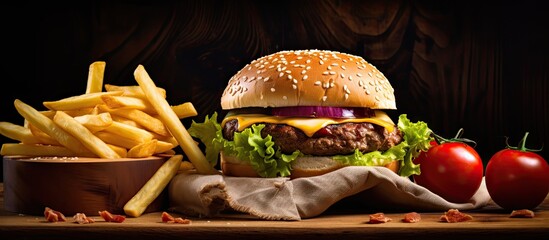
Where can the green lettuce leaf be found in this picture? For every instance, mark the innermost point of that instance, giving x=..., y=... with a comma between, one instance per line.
x=247, y=145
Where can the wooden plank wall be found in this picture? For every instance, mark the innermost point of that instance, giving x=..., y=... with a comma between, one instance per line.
x=454, y=64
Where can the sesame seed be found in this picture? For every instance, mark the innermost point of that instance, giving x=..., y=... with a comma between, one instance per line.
x=377, y=98
x=284, y=97
x=342, y=75
x=346, y=96
x=308, y=61
x=266, y=79
x=305, y=77
x=281, y=74
x=308, y=68
x=324, y=98
x=290, y=77
x=359, y=74
x=292, y=62
x=259, y=78
x=334, y=64
x=350, y=78
x=273, y=89
x=332, y=72
x=304, y=71
x=294, y=81
x=294, y=86
x=288, y=71
x=321, y=62
x=367, y=92
x=343, y=67
x=317, y=83
x=325, y=73
x=370, y=74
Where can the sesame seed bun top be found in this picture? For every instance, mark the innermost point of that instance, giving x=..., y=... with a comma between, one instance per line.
x=309, y=78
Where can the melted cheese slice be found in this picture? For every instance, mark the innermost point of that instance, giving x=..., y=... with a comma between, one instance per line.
x=308, y=125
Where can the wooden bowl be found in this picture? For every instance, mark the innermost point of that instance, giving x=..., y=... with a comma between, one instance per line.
x=77, y=185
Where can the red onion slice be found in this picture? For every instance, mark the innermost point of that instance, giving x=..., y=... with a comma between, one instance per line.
x=316, y=111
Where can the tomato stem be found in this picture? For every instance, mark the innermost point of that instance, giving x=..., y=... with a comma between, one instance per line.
x=521, y=145
x=439, y=139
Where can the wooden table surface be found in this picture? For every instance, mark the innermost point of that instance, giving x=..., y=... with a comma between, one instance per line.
x=489, y=223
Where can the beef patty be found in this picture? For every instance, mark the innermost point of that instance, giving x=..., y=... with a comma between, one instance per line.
x=331, y=140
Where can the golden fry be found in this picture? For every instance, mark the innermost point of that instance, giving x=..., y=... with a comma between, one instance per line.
x=89, y=100
x=121, y=151
x=41, y=136
x=95, y=77
x=125, y=121
x=117, y=140
x=142, y=150
x=172, y=122
x=95, y=122
x=132, y=91
x=143, y=119
x=93, y=143
x=185, y=110
x=152, y=188
x=162, y=147
x=130, y=132
x=17, y=132
x=115, y=102
x=185, y=166
x=49, y=127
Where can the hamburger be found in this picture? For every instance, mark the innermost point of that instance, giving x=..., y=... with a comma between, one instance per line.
x=306, y=113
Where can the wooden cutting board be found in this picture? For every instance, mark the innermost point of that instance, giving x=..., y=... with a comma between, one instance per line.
x=77, y=185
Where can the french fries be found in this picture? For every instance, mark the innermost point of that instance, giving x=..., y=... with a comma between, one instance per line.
x=153, y=187
x=185, y=110
x=132, y=91
x=122, y=122
x=88, y=100
x=48, y=126
x=95, y=77
x=118, y=122
x=168, y=116
x=84, y=136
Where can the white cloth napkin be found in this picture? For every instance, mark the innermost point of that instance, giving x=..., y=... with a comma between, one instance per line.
x=295, y=199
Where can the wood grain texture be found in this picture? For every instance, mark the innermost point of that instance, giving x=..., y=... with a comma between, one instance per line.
x=488, y=223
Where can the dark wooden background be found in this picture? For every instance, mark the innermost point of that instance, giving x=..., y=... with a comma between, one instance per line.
x=481, y=66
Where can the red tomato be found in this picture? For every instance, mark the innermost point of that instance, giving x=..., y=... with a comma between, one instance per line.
x=452, y=170
x=517, y=179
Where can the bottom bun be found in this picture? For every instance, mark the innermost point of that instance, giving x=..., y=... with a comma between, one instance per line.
x=301, y=167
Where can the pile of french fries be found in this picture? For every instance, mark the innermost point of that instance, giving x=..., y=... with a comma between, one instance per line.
x=119, y=122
